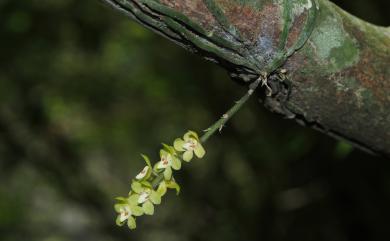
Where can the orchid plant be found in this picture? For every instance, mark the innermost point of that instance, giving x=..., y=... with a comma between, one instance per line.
x=151, y=184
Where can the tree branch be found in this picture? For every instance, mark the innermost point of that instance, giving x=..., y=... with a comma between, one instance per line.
x=326, y=68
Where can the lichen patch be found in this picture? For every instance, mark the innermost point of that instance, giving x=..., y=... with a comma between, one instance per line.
x=328, y=36
x=300, y=6
x=334, y=45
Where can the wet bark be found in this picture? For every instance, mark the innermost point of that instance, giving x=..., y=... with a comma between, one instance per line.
x=326, y=68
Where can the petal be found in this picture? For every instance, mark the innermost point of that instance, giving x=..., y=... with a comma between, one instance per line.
x=190, y=134
x=187, y=156
x=188, y=146
x=131, y=223
x=118, y=221
x=133, y=199
x=148, y=208
x=163, y=153
x=124, y=213
x=162, y=188
x=169, y=159
x=169, y=149
x=164, y=164
x=178, y=144
x=166, y=161
x=155, y=198
x=174, y=185
x=156, y=167
x=123, y=217
x=160, y=165
x=176, y=163
x=137, y=211
x=136, y=186
x=194, y=134
x=121, y=199
x=147, y=160
x=186, y=136
x=143, y=173
x=146, y=184
x=199, y=151
x=168, y=173
x=118, y=207
x=143, y=197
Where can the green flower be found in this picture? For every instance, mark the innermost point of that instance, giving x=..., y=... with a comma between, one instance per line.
x=126, y=210
x=145, y=196
x=146, y=171
x=190, y=144
x=168, y=161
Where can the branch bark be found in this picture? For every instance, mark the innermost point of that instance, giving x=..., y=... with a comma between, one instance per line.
x=326, y=68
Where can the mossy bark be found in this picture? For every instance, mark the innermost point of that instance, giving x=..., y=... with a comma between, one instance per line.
x=326, y=68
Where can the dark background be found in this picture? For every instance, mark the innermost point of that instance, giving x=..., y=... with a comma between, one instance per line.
x=83, y=91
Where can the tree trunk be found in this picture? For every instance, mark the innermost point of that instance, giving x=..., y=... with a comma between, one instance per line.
x=326, y=68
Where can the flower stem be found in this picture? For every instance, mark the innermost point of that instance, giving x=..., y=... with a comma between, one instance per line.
x=220, y=123
x=229, y=114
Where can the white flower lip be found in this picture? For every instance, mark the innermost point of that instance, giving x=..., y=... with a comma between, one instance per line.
x=143, y=173
x=190, y=145
x=143, y=197
x=124, y=213
x=165, y=162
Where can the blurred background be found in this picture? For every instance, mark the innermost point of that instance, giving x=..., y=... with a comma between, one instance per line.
x=83, y=91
